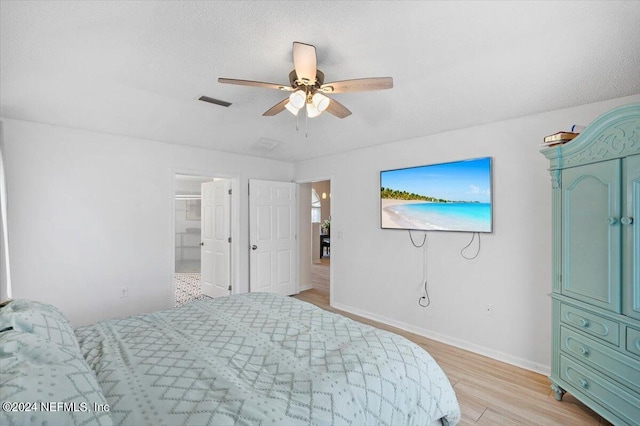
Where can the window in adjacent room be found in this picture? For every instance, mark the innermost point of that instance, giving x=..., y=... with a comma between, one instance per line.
x=316, y=211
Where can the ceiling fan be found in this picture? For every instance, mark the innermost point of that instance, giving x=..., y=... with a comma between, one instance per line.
x=308, y=89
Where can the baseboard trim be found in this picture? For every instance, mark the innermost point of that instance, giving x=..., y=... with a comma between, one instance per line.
x=458, y=343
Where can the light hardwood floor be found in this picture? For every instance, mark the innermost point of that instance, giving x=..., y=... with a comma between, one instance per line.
x=320, y=275
x=490, y=392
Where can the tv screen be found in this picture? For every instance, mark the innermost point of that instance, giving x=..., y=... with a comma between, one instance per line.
x=452, y=196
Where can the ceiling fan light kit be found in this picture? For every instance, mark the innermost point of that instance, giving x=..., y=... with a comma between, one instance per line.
x=320, y=101
x=308, y=87
x=293, y=110
x=315, y=104
x=312, y=111
x=297, y=99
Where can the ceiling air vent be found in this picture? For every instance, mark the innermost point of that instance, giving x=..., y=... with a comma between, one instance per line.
x=214, y=101
x=264, y=145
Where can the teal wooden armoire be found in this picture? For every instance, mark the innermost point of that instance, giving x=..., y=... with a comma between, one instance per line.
x=596, y=266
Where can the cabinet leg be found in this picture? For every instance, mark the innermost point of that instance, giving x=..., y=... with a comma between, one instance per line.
x=558, y=391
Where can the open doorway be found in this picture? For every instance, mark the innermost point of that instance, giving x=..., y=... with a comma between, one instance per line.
x=315, y=238
x=202, y=237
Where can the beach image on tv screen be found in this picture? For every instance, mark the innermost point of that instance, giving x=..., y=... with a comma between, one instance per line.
x=440, y=197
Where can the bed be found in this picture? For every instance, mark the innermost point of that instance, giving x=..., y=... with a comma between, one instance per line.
x=250, y=359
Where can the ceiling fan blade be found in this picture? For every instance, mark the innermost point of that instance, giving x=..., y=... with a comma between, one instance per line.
x=337, y=109
x=305, y=62
x=277, y=108
x=358, y=85
x=255, y=84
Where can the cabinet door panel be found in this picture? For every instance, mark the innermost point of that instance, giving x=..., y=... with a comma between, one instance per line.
x=591, y=228
x=631, y=238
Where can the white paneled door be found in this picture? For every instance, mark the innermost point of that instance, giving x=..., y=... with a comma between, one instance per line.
x=272, y=237
x=216, y=238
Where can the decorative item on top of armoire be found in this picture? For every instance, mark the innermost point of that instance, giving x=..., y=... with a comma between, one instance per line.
x=596, y=266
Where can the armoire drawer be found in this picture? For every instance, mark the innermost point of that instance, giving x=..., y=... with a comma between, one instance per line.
x=633, y=341
x=622, y=368
x=612, y=397
x=591, y=323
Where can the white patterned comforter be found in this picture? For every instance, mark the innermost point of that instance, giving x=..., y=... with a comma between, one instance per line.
x=262, y=359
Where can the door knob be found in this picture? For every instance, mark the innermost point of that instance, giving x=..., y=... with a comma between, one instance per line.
x=612, y=220
x=202, y=243
x=254, y=247
x=626, y=221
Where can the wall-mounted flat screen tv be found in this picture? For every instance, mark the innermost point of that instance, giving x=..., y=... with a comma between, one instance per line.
x=452, y=196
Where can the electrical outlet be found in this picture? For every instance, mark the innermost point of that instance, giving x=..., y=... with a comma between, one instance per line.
x=124, y=292
x=488, y=310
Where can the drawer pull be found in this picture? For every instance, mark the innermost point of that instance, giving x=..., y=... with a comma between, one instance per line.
x=584, y=383
x=584, y=351
x=584, y=322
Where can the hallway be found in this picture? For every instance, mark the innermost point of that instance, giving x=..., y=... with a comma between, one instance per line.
x=320, y=277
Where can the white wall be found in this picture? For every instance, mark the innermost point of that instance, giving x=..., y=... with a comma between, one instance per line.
x=90, y=213
x=5, y=273
x=379, y=274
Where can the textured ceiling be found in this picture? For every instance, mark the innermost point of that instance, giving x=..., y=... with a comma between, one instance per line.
x=138, y=68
